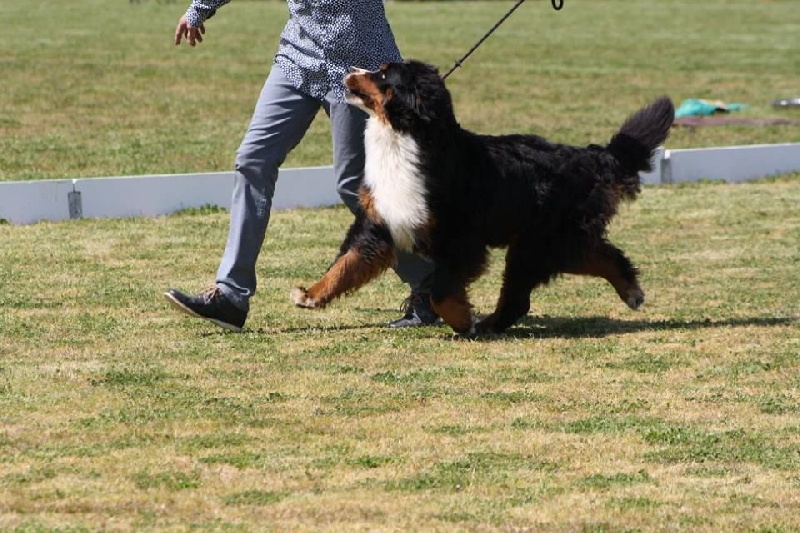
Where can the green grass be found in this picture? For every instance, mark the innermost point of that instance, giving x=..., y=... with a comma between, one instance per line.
x=96, y=87
x=116, y=412
x=119, y=413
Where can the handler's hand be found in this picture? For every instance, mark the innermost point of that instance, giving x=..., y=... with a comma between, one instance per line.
x=190, y=33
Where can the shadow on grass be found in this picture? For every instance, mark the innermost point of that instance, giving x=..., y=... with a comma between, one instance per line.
x=601, y=326
x=538, y=327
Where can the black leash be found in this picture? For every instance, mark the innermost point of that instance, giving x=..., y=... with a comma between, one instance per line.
x=557, y=5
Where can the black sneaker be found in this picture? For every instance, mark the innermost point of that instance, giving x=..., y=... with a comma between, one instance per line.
x=418, y=312
x=211, y=305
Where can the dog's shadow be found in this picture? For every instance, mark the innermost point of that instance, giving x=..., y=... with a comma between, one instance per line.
x=548, y=327
x=602, y=326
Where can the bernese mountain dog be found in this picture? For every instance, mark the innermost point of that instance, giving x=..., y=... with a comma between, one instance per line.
x=434, y=188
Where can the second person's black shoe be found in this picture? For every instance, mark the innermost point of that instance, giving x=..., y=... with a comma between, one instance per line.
x=418, y=312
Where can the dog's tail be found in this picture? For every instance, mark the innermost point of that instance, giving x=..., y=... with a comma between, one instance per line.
x=636, y=142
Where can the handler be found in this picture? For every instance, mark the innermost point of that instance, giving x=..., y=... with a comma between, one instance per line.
x=320, y=41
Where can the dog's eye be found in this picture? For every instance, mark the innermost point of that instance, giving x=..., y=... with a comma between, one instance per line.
x=383, y=76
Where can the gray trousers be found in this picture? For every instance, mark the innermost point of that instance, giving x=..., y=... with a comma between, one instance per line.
x=281, y=118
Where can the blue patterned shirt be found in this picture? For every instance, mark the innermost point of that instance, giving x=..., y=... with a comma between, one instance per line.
x=322, y=39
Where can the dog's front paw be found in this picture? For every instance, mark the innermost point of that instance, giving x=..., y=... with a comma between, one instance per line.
x=635, y=298
x=489, y=326
x=468, y=331
x=486, y=325
x=300, y=298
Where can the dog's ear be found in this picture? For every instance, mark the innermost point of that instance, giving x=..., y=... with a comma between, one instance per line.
x=418, y=106
x=406, y=107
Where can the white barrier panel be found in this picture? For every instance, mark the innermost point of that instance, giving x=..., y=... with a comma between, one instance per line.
x=162, y=195
x=305, y=187
x=152, y=195
x=25, y=202
x=732, y=163
x=29, y=202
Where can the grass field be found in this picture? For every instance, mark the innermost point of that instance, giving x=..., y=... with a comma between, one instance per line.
x=96, y=87
x=117, y=413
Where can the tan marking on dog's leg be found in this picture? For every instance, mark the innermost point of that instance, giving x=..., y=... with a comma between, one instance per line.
x=602, y=265
x=456, y=311
x=350, y=272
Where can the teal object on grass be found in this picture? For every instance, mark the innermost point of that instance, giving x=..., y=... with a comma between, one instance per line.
x=695, y=106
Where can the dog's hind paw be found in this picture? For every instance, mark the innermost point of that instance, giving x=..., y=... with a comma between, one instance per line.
x=635, y=299
x=300, y=298
x=486, y=325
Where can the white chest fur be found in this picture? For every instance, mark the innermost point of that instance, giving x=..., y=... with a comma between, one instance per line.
x=393, y=177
